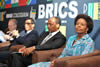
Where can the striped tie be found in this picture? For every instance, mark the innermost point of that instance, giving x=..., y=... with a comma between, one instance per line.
x=46, y=38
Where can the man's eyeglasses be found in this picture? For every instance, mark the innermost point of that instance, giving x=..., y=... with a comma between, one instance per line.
x=28, y=23
x=49, y=24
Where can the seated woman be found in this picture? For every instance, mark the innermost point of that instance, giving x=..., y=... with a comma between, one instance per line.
x=77, y=45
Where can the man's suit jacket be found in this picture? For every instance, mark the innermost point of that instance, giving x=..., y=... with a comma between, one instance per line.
x=55, y=42
x=27, y=40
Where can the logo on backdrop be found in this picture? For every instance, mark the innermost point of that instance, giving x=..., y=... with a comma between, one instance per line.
x=2, y=4
x=33, y=13
x=94, y=10
x=17, y=15
x=62, y=10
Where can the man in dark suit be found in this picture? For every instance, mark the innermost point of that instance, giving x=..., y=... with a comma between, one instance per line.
x=27, y=38
x=48, y=40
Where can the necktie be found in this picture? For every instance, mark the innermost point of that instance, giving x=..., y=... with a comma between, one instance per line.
x=23, y=33
x=46, y=38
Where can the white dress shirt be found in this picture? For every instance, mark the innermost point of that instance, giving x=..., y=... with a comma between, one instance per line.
x=2, y=37
x=50, y=35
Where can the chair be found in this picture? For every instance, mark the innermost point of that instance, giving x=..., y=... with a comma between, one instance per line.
x=46, y=55
x=88, y=60
x=4, y=44
x=15, y=48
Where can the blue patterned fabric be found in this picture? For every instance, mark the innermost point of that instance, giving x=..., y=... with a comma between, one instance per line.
x=83, y=46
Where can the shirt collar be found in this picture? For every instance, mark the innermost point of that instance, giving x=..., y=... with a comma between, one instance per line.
x=28, y=31
x=53, y=33
x=83, y=38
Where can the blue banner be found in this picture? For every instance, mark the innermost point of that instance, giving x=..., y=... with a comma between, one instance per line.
x=7, y=1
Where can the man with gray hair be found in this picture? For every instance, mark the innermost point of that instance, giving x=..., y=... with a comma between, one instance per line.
x=26, y=38
x=12, y=27
x=9, y=37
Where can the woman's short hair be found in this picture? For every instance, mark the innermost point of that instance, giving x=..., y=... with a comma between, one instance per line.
x=87, y=19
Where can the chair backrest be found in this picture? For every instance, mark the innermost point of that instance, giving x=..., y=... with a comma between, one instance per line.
x=95, y=53
x=68, y=61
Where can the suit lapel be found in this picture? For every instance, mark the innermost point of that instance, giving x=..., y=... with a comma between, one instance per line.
x=52, y=38
x=26, y=34
x=42, y=37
